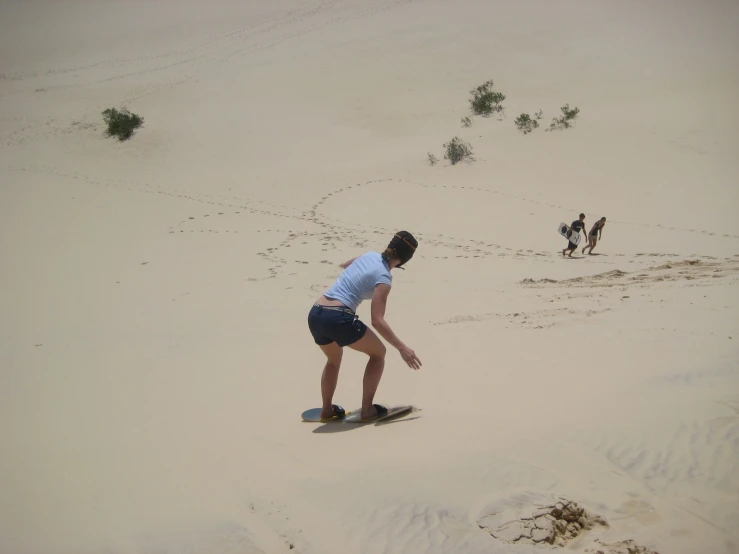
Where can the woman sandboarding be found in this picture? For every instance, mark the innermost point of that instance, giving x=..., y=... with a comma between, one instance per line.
x=333, y=322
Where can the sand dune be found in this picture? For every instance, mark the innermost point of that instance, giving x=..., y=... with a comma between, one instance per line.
x=154, y=352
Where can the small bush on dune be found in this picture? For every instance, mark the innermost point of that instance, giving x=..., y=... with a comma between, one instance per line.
x=457, y=150
x=525, y=123
x=121, y=123
x=466, y=122
x=485, y=101
x=567, y=119
x=432, y=159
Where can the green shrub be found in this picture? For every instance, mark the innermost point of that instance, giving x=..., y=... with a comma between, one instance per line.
x=457, y=150
x=567, y=119
x=432, y=159
x=525, y=123
x=121, y=123
x=485, y=101
x=466, y=122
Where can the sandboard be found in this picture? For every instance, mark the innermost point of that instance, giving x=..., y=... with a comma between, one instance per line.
x=314, y=415
x=394, y=411
x=575, y=238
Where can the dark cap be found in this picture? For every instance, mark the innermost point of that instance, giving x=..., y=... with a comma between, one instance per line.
x=404, y=245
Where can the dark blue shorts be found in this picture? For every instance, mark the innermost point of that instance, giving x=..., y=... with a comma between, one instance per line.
x=334, y=324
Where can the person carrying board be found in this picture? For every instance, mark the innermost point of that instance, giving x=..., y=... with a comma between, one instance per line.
x=577, y=226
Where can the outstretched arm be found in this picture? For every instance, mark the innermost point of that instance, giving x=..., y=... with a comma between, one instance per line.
x=379, y=303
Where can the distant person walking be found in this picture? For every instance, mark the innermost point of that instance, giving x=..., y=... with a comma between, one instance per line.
x=577, y=226
x=595, y=234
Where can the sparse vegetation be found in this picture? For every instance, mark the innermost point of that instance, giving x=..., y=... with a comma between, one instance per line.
x=525, y=123
x=121, y=123
x=457, y=150
x=565, y=122
x=485, y=101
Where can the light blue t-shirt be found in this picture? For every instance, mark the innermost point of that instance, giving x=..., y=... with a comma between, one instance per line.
x=357, y=282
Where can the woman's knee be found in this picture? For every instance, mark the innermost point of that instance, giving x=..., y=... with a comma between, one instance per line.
x=377, y=348
x=380, y=352
x=334, y=364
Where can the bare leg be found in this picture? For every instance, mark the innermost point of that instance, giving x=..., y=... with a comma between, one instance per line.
x=594, y=242
x=371, y=345
x=565, y=250
x=330, y=377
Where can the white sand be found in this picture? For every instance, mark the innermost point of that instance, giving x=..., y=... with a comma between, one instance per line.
x=154, y=352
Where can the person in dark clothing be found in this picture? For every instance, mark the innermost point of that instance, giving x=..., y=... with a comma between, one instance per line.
x=577, y=226
x=595, y=233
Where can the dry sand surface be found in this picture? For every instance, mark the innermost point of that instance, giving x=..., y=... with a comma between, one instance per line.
x=154, y=352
